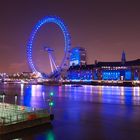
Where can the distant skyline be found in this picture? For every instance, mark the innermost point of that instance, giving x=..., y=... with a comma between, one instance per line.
x=104, y=28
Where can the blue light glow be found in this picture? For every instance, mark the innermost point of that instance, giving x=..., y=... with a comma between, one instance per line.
x=63, y=27
x=83, y=75
x=128, y=75
x=111, y=75
x=136, y=75
x=95, y=75
x=75, y=57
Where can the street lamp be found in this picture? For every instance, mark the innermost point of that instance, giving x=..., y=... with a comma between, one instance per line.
x=16, y=96
x=3, y=97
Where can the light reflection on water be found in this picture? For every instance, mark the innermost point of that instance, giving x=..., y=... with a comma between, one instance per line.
x=103, y=94
x=37, y=95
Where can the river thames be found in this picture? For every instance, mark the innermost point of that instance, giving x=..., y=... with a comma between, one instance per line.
x=81, y=113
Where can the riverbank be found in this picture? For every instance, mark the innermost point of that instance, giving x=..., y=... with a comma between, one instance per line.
x=104, y=83
x=14, y=118
x=94, y=83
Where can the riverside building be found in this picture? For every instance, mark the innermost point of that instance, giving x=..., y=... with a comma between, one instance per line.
x=78, y=56
x=107, y=71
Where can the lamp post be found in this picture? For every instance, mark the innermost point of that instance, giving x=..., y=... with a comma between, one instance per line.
x=16, y=96
x=3, y=97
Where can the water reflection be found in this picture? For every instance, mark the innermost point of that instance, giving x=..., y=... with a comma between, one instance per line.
x=34, y=96
x=102, y=94
x=77, y=104
x=37, y=133
x=37, y=95
x=46, y=136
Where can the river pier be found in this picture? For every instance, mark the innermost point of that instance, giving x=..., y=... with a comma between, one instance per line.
x=14, y=117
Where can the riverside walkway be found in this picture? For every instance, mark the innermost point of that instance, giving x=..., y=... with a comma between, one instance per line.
x=14, y=117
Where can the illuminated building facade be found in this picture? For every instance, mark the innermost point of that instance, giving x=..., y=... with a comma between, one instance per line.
x=77, y=56
x=115, y=71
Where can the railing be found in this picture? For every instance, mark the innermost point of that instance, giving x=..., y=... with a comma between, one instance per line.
x=10, y=114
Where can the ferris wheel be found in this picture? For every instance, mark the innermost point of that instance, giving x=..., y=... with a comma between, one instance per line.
x=57, y=69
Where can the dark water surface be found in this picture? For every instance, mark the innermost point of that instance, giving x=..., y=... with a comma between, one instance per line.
x=81, y=113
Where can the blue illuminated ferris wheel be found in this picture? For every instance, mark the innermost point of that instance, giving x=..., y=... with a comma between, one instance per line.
x=63, y=27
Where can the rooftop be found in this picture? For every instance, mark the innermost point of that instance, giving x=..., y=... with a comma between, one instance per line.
x=111, y=64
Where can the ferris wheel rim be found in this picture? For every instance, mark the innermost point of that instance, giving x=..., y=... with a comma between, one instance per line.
x=60, y=23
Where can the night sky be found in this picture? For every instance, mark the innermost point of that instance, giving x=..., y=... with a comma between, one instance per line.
x=104, y=28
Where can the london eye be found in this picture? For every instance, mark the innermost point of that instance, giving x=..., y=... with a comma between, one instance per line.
x=56, y=69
